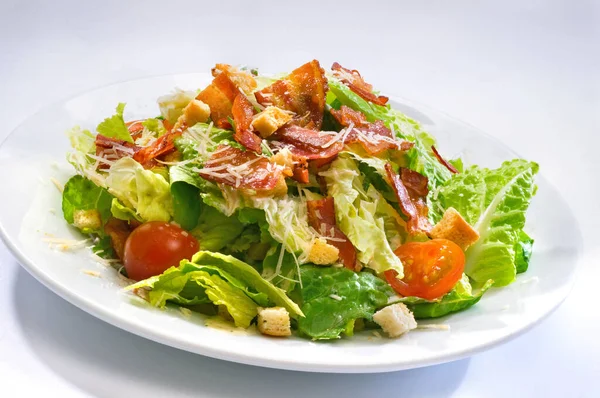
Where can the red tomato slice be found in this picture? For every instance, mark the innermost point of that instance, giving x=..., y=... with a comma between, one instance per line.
x=431, y=269
x=155, y=246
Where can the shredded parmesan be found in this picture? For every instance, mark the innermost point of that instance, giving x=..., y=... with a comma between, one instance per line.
x=335, y=297
x=57, y=184
x=92, y=273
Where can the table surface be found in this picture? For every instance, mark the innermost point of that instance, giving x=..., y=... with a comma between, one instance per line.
x=525, y=72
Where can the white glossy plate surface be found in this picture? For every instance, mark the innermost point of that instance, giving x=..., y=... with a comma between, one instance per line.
x=31, y=211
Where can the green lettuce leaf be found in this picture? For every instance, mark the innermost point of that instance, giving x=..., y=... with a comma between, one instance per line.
x=82, y=194
x=187, y=203
x=332, y=298
x=284, y=276
x=494, y=202
x=155, y=125
x=114, y=126
x=214, y=230
x=356, y=211
x=147, y=192
x=523, y=250
x=82, y=140
x=248, y=275
x=118, y=210
x=459, y=298
x=200, y=140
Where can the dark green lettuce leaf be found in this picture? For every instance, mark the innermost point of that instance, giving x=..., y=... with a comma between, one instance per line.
x=523, y=250
x=333, y=298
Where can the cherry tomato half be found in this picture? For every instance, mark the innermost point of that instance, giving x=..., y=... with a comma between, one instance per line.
x=431, y=268
x=155, y=246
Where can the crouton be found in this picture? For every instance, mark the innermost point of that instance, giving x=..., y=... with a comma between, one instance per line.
x=194, y=112
x=274, y=321
x=269, y=120
x=87, y=219
x=453, y=227
x=395, y=319
x=322, y=253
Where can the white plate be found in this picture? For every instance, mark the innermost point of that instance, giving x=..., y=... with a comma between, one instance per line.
x=31, y=211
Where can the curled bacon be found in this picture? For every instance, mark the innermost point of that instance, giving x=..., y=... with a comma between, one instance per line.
x=411, y=189
x=243, y=111
x=302, y=92
x=219, y=96
x=355, y=82
x=443, y=161
x=321, y=216
x=242, y=169
x=163, y=145
x=306, y=143
x=113, y=149
x=374, y=137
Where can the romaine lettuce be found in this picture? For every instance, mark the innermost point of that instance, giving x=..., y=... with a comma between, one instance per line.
x=82, y=194
x=333, y=298
x=114, y=126
x=357, y=216
x=494, y=202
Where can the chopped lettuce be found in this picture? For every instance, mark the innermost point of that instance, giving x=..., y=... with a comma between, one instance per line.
x=154, y=125
x=82, y=140
x=147, y=192
x=334, y=298
x=494, y=202
x=248, y=275
x=523, y=250
x=282, y=273
x=122, y=212
x=82, y=194
x=186, y=196
x=459, y=298
x=216, y=231
x=114, y=126
x=357, y=216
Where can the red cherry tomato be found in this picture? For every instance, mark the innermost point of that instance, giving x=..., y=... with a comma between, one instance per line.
x=155, y=246
x=431, y=268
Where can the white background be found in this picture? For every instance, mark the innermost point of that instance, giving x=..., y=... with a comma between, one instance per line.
x=527, y=72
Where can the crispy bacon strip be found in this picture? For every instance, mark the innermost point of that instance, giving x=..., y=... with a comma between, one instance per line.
x=302, y=92
x=443, y=161
x=411, y=189
x=374, y=137
x=113, y=149
x=219, y=96
x=135, y=126
x=355, y=82
x=306, y=143
x=321, y=216
x=243, y=111
x=162, y=146
x=241, y=79
x=242, y=169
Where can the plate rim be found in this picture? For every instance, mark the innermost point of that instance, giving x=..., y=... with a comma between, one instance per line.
x=91, y=307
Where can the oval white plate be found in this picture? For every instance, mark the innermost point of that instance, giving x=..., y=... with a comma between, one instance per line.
x=31, y=213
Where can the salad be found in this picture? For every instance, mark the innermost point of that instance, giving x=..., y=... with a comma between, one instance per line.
x=302, y=204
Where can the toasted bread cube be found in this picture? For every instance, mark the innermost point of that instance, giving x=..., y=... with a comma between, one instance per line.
x=395, y=319
x=453, y=227
x=269, y=120
x=87, y=219
x=285, y=159
x=194, y=112
x=322, y=253
x=274, y=321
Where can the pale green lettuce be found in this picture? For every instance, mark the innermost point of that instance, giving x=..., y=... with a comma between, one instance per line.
x=494, y=202
x=357, y=215
x=140, y=189
x=114, y=126
x=171, y=105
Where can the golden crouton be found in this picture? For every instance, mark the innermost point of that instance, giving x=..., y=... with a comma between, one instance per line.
x=285, y=159
x=322, y=253
x=194, y=112
x=87, y=219
x=269, y=120
x=274, y=321
x=453, y=227
x=395, y=319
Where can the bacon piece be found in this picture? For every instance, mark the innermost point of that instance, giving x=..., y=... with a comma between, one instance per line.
x=302, y=92
x=243, y=111
x=242, y=169
x=355, y=82
x=219, y=96
x=241, y=79
x=411, y=189
x=162, y=146
x=135, y=126
x=113, y=149
x=321, y=216
x=374, y=137
x=443, y=161
x=306, y=143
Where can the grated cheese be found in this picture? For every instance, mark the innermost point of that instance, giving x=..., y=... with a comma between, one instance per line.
x=57, y=184
x=335, y=297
